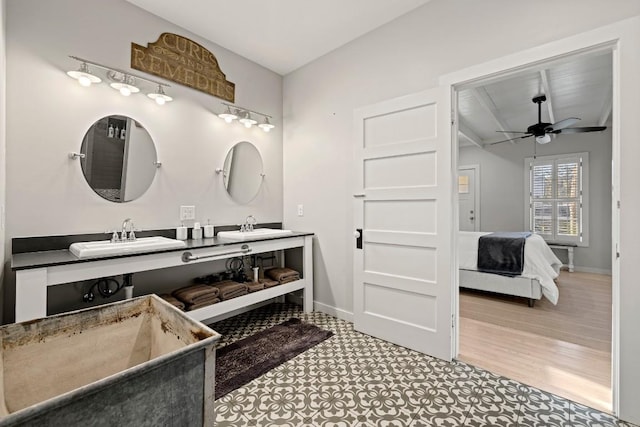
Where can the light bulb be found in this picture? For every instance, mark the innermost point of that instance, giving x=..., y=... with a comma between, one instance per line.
x=125, y=91
x=543, y=139
x=247, y=124
x=266, y=129
x=160, y=101
x=84, y=81
x=228, y=119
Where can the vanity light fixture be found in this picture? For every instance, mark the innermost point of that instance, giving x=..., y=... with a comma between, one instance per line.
x=266, y=125
x=227, y=115
x=126, y=83
x=84, y=76
x=233, y=112
x=247, y=121
x=123, y=83
x=159, y=96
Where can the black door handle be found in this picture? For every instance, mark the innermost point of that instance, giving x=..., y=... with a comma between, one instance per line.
x=358, y=238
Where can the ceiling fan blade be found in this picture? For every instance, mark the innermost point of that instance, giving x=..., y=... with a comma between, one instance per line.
x=580, y=130
x=562, y=124
x=511, y=139
x=510, y=131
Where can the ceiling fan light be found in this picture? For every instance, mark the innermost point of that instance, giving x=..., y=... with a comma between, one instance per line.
x=543, y=139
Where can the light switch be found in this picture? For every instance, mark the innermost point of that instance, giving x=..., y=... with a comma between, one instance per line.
x=300, y=210
x=187, y=213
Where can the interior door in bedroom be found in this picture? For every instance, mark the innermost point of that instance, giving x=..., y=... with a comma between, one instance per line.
x=403, y=216
x=468, y=199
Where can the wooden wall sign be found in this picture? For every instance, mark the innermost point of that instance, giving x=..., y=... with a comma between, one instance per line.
x=183, y=61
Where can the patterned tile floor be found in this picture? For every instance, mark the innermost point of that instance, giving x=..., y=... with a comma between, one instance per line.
x=352, y=379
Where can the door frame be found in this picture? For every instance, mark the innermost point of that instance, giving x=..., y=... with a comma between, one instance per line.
x=476, y=189
x=605, y=38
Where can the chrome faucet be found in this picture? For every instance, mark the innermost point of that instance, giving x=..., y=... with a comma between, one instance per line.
x=123, y=235
x=248, y=226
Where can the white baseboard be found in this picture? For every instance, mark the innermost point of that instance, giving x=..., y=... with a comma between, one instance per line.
x=333, y=311
x=592, y=270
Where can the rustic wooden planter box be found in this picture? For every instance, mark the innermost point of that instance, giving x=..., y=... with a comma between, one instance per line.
x=140, y=362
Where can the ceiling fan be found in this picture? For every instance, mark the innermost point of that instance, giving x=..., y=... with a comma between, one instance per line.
x=543, y=131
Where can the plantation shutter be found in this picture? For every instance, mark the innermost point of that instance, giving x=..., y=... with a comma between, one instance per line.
x=568, y=192
x=555, y=198
x=542, y=198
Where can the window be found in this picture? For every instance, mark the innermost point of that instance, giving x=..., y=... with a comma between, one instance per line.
x=557, y=195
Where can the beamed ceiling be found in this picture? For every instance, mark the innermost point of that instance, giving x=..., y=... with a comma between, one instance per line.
x=577, y=87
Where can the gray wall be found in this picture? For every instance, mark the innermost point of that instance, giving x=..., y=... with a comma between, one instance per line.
x=408, y=55
x=405, y=56
x=191, y=141
x=502, y=198
x=48, y=114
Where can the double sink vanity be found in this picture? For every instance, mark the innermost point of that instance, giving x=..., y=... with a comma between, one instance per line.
x=118, y=159
x=89, y=258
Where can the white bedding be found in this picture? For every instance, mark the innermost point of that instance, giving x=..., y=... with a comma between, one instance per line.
x=539, y=260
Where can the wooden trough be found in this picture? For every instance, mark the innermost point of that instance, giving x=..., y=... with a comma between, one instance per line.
x=139, y=362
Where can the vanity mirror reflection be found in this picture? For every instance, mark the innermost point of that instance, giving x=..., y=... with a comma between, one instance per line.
x=120, y=159
x=243, y=172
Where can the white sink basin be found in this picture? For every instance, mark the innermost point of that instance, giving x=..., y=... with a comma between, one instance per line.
x=106, y=247
x=258, y=233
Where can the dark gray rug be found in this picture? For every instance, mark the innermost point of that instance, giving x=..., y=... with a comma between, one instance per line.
x=242, y=361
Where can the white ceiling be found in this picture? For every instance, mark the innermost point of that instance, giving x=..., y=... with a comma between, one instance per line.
x=281, y=35
x=575, y=87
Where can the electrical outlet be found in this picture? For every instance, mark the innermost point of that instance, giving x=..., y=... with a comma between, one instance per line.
x=187, y=213
x=300, y=210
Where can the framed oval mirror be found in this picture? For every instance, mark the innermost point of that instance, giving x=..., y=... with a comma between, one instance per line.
x=242, y=172
x=120, y=158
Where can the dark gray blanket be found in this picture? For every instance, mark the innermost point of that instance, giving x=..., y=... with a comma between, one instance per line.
x=502, y=253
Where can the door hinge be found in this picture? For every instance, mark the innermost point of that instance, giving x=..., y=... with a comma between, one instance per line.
x=453, y=321
x=618, y=204
x=617, y=251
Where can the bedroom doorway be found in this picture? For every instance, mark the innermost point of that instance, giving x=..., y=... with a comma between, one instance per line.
x=564, y=349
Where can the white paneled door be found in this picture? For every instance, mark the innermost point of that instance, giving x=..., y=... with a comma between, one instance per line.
x=403, y=220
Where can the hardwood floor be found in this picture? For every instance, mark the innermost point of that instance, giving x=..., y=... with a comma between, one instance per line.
x=564, y=349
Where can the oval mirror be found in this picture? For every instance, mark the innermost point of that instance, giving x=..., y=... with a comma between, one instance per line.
x=119, y=161
x=242, y=172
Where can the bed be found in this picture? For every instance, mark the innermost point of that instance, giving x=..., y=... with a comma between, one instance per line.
x=540, y=268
